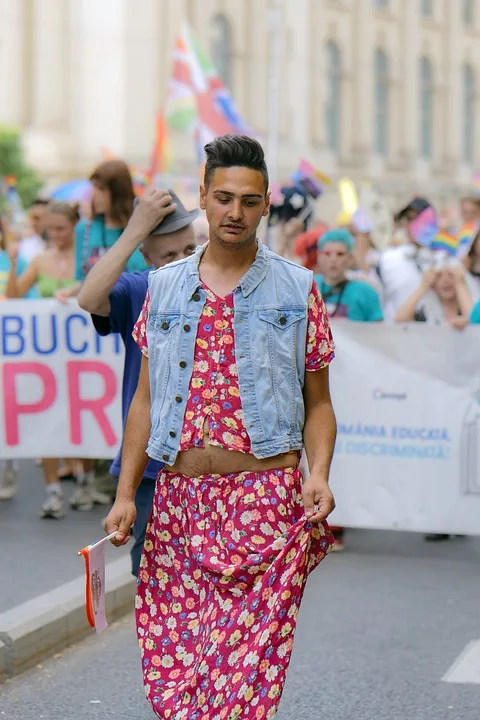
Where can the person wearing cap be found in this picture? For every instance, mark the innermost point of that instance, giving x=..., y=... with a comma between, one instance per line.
x=162, y=228
x=352, y=299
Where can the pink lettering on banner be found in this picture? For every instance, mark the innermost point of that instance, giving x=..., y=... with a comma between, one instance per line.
x=97, y=406
x=13, y=409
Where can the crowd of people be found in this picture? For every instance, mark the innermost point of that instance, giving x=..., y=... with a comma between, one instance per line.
x=229, y=429
x=64, y=250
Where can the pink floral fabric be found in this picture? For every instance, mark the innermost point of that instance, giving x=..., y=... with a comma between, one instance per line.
x=224, y=566
x=214, y=392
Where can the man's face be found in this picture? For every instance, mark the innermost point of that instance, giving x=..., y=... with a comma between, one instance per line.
x=160, y=250
x=444, y=285
x=470, y=212
x=334, y=262
x=235, y=202
x=37, y=219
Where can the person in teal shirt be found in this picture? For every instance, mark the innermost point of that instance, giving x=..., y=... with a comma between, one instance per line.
x=350, y=299
x=475, y=316
x=112, y=206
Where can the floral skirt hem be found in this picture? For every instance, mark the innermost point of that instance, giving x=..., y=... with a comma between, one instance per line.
x=224, y=567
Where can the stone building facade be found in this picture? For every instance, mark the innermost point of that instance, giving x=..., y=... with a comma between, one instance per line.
x=381, y=89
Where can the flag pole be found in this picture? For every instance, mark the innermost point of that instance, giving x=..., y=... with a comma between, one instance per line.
x=274, y=79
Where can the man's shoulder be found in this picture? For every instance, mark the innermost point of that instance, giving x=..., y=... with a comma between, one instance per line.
x=281, y=264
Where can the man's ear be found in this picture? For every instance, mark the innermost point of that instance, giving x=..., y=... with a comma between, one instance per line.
x=146, y=256
x=203, y=195
x=267, y=204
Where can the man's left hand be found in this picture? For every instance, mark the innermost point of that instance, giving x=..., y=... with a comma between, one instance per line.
x=317, y=498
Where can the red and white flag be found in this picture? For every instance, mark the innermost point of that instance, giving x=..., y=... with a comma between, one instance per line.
x=94, y=556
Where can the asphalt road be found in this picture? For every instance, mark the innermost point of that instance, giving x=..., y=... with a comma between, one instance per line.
x=38, y=555
x=379, y=629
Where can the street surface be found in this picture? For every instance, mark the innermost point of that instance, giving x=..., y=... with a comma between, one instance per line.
x=380, y=627
x=38, y=555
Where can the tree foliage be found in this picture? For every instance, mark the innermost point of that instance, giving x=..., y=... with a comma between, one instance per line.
x=12, y=162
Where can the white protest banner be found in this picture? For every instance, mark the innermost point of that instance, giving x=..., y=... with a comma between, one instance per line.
x=407, y=400
x=60, y=383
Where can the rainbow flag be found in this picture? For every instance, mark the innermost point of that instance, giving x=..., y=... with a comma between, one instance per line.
x=424, y=229
x=465, y=238
x=309, y=179
x=161, y=157
x=198, y=103
x=445, y=242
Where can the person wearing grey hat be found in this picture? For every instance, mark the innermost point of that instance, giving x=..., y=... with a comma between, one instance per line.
x=162, y=228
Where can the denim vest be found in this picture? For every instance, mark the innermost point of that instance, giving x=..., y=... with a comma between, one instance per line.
x=270, y=329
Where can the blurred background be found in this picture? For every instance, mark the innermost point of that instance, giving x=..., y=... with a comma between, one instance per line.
x=384, y=90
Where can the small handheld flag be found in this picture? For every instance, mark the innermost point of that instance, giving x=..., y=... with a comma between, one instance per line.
x=424, y=228
x=94, y=556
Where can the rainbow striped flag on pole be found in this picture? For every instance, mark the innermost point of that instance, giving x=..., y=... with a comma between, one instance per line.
x=198, y=103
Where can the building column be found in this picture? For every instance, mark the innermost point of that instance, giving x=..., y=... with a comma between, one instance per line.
x=409, y=64
x=362, y=86
x=452, y=97
x=50, y=39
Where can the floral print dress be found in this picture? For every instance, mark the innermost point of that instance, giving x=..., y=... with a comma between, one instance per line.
x=226, y=557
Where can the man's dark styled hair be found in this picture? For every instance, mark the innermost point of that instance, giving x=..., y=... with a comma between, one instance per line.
x=234, y=151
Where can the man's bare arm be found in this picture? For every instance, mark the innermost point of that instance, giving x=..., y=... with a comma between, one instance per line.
x=100, y=281
x=134, y=459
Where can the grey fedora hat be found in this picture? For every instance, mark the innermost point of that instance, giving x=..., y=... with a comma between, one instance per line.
x=176, y=220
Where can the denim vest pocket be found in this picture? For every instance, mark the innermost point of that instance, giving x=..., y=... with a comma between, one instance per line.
x=162, y=330
x=282, y=328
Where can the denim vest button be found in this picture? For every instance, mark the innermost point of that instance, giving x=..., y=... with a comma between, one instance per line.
x=165, y=457
x=182, y=364
x=196, y=297
x=165, y=326
x=283, y=320
x=186, y=328
x=178, y=399
x=172, y=433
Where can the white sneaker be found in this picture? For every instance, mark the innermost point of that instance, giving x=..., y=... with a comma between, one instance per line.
x=8, y=483
x=82, y=498
x=100, y=498
x=53, y=506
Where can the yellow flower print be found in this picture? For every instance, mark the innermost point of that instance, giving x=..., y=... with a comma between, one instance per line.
x=234, y=391
x=197, y=382
x=227, y=340
x=230, y=423
x=234, y=638
x=249, y=694
x=202, y=344
x=258, y=540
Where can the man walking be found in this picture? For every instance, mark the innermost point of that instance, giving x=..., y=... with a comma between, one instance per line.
x=163, y=227
x=233, y=384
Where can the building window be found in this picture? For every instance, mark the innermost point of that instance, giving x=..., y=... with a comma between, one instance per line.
x=333, y=105
x=381, y=103
x=426, y=107
x=221, y=48
x=426, y=8
x=468, y=12
x=468, y=84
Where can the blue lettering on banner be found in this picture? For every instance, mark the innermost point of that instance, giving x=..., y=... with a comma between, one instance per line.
x=47, y=334
x=13, y=342
x=425, y=452
x=68, y=339
x=376, y=441
x=53, y=344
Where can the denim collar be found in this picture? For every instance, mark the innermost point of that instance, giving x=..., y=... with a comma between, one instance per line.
x=248, y=283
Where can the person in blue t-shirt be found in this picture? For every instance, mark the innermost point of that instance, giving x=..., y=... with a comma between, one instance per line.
x=352, y=299
x=475, y=315
x=114, y=298
x=349, y=299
